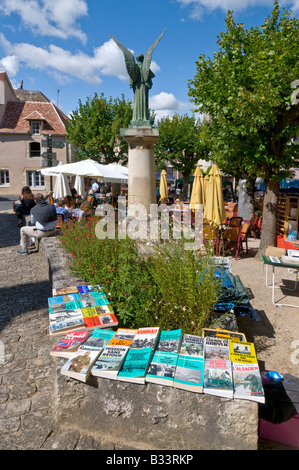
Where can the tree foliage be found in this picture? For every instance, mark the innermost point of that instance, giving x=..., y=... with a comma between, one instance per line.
x=246, y=89
x=181, y=143
x=95, y=128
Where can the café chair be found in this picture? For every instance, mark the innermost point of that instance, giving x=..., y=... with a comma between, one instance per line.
x=91, y=200
x=235, y=222
x=231, y=237
x=245, y=233
x=60, y=220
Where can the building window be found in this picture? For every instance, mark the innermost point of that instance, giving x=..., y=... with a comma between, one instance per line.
x=35, y=179
x=4, y=178
x=35, y=127
x=34, y=149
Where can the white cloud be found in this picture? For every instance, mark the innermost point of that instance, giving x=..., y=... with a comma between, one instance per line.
x=49, y=17
x=165, y=104
x=10, y=64
x=63, y=66
x=201, y=7
x=110, y=60
x=106, y=60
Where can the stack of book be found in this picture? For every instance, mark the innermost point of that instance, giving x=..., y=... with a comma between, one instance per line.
x=79, y=307
x=220, y=363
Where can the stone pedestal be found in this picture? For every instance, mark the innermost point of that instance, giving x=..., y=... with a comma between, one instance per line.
x=141, y=164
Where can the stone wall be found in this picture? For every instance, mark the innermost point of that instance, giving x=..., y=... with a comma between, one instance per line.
x=150, y=416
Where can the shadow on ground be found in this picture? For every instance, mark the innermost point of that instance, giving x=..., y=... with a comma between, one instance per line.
x=21, y=299
x=10, y=232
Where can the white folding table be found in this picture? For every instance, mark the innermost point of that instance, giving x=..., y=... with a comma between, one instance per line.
x=281, y=264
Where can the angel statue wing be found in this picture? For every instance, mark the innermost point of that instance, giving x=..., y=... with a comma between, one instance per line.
x=132, y=67
x=148, y=57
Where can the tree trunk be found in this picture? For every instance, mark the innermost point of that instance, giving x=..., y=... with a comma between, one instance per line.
x=246, y=198
x=186, y=183
x=269, y=216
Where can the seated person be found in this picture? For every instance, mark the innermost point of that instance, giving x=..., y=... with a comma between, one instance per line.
x=86, y=210
x=25, y=205
x=60, y=209
x=73, y=190
x=43, y=220
x=68, y=205
x=95, y=186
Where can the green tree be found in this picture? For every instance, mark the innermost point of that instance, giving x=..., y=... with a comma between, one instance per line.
x=247, y=91
x=181, y=143
x=94, y=128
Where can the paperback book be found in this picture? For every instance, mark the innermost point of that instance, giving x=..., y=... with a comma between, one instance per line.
x=87, y=288
x=65, y=291
x=75, y=290
x=221, y=333
x=80, y=363
x=246, y=374
x=93, y=318
x=64, y=311
x=69, y=343
x=67, y=313
x=72, y=322
x=189, y=371
x=59, y=299
x=137, y=360
x=110, y=361
x=92, y=299
x=163, y=364
x=217, y=368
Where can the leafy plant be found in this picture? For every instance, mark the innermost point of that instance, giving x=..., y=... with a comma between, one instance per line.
x=168, y=286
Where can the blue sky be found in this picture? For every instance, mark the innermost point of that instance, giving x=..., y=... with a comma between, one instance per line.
x=64, y=49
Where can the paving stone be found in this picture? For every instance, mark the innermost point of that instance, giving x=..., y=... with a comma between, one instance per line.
x=27, y=373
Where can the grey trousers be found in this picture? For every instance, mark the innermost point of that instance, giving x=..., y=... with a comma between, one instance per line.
x=31, y=231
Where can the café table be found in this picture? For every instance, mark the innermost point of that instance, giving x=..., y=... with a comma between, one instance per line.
x=276, y=262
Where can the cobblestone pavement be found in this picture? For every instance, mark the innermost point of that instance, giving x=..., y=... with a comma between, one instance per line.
x=27, y=371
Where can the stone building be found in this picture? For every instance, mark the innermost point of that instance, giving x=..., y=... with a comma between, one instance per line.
x=28, y=122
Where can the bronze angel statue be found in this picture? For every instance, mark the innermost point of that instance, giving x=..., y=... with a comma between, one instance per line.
x=140, y=80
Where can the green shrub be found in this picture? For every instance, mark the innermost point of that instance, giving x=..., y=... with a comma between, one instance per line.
x=166, y=286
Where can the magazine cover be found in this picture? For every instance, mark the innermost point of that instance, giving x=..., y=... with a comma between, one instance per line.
x=247, y=382
x=190, y=365
x=69, y=343
x=218, y=368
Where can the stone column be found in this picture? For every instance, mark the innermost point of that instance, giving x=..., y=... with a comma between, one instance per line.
x=141, y=165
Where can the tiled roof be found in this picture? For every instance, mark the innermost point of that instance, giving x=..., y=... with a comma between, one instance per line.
x=14, y=118
x=34, y=116
x=31, y=95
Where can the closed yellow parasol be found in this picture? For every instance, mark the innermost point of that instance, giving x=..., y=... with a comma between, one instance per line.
x=214, y=212
x=206, y=184
x=198, y=193
x=163, y=186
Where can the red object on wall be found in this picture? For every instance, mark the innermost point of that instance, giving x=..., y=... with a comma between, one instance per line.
x=281, y=242
x=285, y=433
